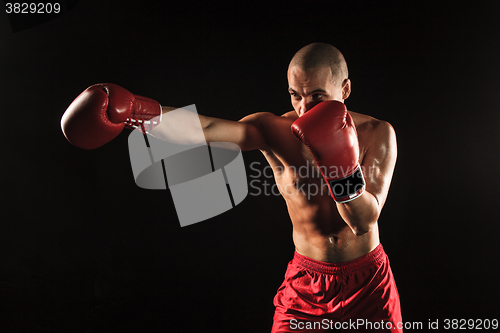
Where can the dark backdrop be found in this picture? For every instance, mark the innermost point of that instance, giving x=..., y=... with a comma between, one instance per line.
x=83, y=249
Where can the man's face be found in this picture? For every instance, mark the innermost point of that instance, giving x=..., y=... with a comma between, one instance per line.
x=314, y=86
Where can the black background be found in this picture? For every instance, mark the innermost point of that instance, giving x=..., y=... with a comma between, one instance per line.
x=83, y=249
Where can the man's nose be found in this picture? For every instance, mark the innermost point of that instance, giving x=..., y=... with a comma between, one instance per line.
x=305, y=105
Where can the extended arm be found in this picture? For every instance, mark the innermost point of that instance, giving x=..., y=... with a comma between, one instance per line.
x=103, y=110
x=183, y=127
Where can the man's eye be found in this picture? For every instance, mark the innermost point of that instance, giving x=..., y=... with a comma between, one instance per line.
x=318, y=96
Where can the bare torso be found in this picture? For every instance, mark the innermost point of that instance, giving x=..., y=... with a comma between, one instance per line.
x=319, y=232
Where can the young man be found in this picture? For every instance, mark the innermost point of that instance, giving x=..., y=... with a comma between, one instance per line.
x=340, y=276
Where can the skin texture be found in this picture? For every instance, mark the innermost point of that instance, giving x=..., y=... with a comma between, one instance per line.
x=322, y=229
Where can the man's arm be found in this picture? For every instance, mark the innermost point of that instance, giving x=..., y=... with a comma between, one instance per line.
x=184, y=128
x=102, y=111
x=359, y=189
x=378, y=163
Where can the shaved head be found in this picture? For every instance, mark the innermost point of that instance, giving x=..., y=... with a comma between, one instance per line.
x=318, y=55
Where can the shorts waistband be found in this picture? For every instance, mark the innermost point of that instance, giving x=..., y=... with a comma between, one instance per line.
x=373, y=258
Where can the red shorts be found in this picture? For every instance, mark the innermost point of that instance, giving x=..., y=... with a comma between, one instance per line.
x=356, y=296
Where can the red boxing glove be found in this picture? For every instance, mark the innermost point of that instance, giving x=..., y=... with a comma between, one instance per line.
x=101, y=112
x=329, y=132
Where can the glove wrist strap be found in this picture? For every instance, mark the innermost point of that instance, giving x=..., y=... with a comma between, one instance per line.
x=147, y=114
x=348, y=188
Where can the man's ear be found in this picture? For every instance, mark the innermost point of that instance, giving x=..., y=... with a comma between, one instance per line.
x=346, y=88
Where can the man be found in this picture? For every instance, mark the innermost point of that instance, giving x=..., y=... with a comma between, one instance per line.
x=340, y=274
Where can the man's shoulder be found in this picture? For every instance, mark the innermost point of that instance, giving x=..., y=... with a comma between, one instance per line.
x=292, y=115
x=369, y=124
x=274, y=131
x=374, y=134
x=268, y=118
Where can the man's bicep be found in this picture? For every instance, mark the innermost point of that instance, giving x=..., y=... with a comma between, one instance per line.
x=379, y=161
x=223, y=130
x=250, y=131
x=246, y=133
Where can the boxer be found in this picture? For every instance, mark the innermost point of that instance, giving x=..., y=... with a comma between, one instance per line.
x=339, y=272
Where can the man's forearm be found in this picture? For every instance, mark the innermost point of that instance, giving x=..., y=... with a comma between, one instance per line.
x=360, y=214
x=181, y=126
x=185, y=127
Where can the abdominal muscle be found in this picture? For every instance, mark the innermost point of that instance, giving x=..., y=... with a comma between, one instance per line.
x=319, y=232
